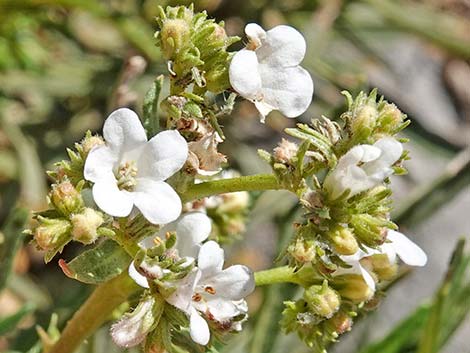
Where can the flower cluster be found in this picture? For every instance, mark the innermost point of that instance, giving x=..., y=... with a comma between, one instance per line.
x=164, y=200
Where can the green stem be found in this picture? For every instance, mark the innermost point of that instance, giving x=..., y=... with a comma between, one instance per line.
x=257, y=182
x=94, y=312
x=284, y=274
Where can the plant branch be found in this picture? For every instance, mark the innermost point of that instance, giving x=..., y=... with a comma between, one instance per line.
x=257, y=182
x=284, y=274
x=96, y=310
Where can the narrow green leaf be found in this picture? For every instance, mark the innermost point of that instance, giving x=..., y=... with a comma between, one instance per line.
x=9, y=323
x=107, y=260
x=12, y=237
x=150, y=107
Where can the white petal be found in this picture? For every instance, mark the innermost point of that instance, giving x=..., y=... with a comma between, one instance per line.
x=163, y=156
x=211, y=258
x=123, y=131
x=157, y=201
x=199, y=329
x=391, y=150
x=100, y=163
x=110, y=199
x=222, y=309
x=284, y=46
x=370, y=153
x=137, y=277
x=409, y=252
x=244, y=75
x=235, y=282
x=289, y=90
x=191, y=230
x=255, y=33
x=264, y=109
x=367, y=278
x=182, y=296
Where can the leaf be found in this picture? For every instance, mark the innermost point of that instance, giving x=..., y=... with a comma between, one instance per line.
x=9, y=323
x=12, y=238
x=107, y=260
x=150, y=107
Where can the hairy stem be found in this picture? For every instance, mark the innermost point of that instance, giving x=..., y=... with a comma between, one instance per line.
x=257, y=182
x=96, y=310
x=284, y=274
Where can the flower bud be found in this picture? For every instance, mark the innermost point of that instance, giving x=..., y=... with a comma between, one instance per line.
x=285, y=152
x=339, y=323
x=89, y=142
x=390, y=118
x=322, y=300
x=343, y=241
x=65, y=198
x=382, y=267
x=364, y=122
x=85, y=225
x=354, y=288
x=175, y=35
x=52, y=233
x=302, y=251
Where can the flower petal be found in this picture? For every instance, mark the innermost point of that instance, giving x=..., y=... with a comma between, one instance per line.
x=192, y=229
x=367, y=278
x=284, y=46
x=391, y=150
x=210, y=259
x=235, y=282
x=137, y=277
x=222, y=309
x=123, y=131
x=100, y=163
x=244, y=75
x=289, y=90
x=157, y=201
x=182, y=296
x=163, y=156
x=110, y=199
x=198, y=328
x=255, y=33
x=410, y=253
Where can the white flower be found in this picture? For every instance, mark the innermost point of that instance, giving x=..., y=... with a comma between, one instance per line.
x=363, y=167
x=191, y=230
x=267, y=72
x=397, y=244
x=211, y=293
x=130, y=171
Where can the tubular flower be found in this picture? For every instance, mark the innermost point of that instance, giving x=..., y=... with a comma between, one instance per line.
x=397, y=244
x=363, y=167
x=211, y=294
x=130, y=171
x=191, y=230
x=267, y=71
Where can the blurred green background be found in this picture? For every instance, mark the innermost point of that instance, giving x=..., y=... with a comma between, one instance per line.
x=64, y=64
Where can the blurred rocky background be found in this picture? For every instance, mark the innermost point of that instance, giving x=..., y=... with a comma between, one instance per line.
x=64, y=64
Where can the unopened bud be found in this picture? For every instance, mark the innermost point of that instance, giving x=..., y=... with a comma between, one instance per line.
x=175, y=35
x=85, y=225
x=285, y=152
x=382, y=267
x=52, y=233
x=354, y=288
x=89, y=142
x=364, y=122
x=66, y=198
x=343, y=241
x=302, y=251
x=390, y=118
x=322, y=300
x=340, y=323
